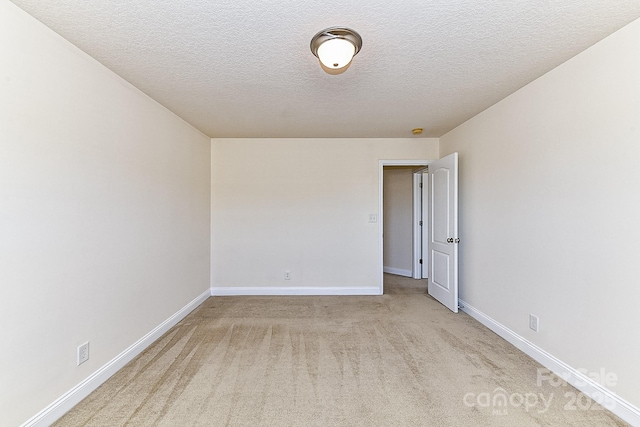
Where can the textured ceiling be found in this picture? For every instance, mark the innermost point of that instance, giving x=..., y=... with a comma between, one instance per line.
x=243, y=68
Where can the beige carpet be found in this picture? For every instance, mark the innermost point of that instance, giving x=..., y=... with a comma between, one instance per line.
x=396, y=360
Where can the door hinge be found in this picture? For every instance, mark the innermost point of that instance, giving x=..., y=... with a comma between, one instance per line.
x=420, y=185
x=421, y=261
x=420, y=223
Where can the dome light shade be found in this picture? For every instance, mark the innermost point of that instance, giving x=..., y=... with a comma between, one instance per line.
x=336, y=53
x=335, y=48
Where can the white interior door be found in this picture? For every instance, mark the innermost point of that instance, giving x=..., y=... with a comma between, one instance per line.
x=425, y=228
x=418, y=222
x=443, y=231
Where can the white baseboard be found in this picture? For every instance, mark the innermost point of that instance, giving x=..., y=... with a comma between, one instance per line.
x=573, y=376
x=397, y=271
x=264, y=291
x=71, y=398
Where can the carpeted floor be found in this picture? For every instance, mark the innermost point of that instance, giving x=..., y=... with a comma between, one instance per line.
x=400, y=359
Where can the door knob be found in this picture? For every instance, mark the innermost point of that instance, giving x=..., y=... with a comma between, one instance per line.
x=450, y=240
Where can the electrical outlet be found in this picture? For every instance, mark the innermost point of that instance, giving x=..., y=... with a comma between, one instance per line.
x=83, y=353
x=533, y=322
x=287, y=275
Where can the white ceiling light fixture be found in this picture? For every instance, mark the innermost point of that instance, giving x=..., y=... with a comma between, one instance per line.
x=335, y=47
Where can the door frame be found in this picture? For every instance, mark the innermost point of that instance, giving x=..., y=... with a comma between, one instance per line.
x=381, y=165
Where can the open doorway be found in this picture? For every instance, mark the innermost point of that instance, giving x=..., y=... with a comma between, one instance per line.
x=402, y=223
x=402, y=213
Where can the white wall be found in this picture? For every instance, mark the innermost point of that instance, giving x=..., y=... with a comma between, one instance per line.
x=104, y=214
x=550, y=210
x=301, y=205
x=398, y=219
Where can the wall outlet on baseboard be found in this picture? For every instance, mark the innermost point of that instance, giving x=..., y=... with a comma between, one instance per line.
x=287, y=275
x=83, y=353
x=533, y=322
